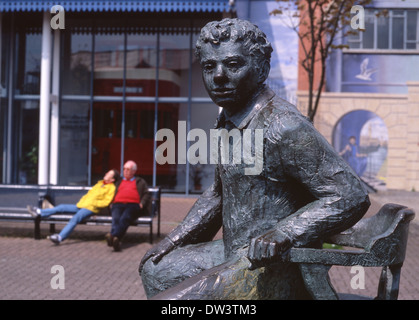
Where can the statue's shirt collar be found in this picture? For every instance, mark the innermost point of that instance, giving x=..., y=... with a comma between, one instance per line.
x=242, y=118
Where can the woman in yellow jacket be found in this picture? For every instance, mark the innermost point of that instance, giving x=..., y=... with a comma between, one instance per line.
x=100, y=196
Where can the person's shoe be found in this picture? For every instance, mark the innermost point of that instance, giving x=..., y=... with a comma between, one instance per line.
x=55, y=238
x=116, y=244
x=108, y=238
x=33, y=211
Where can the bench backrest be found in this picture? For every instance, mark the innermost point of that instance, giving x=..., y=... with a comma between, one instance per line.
x=18, y=196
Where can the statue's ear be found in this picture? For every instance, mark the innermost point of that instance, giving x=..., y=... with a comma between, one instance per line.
x=264, y=71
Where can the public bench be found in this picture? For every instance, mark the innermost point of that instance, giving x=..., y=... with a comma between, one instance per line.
x=15, y=198
x=377, y=241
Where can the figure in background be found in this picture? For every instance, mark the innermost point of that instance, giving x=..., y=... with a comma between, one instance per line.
x=357, y=161
x=99, y=196
x=132, y=200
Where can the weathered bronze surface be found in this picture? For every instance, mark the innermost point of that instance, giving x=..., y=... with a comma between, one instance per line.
x=304, y=193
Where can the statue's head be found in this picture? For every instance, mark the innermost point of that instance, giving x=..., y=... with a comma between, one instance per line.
x=235, y=58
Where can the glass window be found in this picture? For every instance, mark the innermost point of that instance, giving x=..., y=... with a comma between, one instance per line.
x=383, y=27
x=106, y=140
x=29, y=62
x=3, y=133
x=412, y=21
x=396, y=29
x=25, y=113
x=109, y=58
x=74, y=143
x=103, y=125
x=398, y=33
x=147, y=124
x=201, y=175
x=412, y=26
x=4, y=52
x=354, y=40
x=174, y=65
x=198, y=88
x=368, y=34
x=77, y=63
x=26, y=132
x=174, y=69
x=172, y=176
x=96, y=49
x=4, y=49
x=131, y=120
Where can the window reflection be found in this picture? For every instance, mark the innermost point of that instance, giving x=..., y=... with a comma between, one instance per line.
x=171, y=176
x=74, y=143
x=77, y=63
x=28, y=73
x=158, y=60
x=26, y=133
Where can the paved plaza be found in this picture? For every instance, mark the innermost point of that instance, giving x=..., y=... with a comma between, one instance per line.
x=94, y=272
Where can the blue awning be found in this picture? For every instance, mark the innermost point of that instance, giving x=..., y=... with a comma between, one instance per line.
x=118, y=5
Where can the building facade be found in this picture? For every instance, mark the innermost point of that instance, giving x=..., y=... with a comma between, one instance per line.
x=86, y=85
x=372, y=95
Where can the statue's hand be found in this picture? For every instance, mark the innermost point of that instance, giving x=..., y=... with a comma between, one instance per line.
x=268, y=248
x=157, y=252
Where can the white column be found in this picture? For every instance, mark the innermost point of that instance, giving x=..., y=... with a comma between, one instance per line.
x=55, y=129
x=44, y=101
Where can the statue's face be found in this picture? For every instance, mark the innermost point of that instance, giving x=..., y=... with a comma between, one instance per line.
x=230, y=74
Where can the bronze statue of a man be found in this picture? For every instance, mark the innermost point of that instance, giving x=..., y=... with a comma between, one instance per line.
x=304, y=193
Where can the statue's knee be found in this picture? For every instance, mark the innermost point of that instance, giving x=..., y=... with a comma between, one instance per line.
x=148, y=278
x=147, y=269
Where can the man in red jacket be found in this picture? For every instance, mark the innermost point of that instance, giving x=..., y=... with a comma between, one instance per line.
x=131, y=201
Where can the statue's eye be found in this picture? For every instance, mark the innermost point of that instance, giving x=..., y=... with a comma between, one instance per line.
x=234, y=64
x=208, y=66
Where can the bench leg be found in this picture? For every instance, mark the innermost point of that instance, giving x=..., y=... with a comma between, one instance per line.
x=158, y=226
x=388, y=287
x=37, y=230
x=52, y=228
x=317, y=281
x=151, y=232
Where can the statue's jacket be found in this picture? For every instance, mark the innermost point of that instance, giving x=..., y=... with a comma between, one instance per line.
x=304, y=188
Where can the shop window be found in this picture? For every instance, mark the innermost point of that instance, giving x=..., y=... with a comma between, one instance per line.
x=147, y=124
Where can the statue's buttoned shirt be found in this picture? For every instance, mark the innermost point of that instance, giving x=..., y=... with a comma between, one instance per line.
x=304, y=189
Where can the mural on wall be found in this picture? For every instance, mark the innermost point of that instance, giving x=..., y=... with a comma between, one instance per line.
x=378, y=73
x=361, y=138
x=365, y=72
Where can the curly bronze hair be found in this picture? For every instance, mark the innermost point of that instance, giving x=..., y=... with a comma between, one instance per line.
x=236, y=30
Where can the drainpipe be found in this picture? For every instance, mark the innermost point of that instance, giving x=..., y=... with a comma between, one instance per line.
x=44, y=101
x=55, y=124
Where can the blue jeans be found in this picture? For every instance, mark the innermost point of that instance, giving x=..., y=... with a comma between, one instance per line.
x=80, y=215
x=123, y=214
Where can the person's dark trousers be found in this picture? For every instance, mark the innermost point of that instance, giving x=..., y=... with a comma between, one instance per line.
x=122, y=216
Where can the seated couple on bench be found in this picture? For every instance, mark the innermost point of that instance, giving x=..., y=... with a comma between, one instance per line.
x=128, y=197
